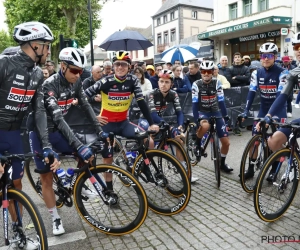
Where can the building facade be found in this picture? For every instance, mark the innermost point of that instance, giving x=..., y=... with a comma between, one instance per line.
x=180, y=19
x=244, y=25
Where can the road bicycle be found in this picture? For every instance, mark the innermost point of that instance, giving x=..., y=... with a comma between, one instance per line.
x=115, y=212
x=272, y=197
x=163, y=177
x=23, y=227
x=256, y=152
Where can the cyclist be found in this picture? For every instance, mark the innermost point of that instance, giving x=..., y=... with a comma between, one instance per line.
x=208, y=99
x=116, y=91
x=158, y=100
x=61, y=91
x=269, y=80
x=21, y=82
x=281, y=136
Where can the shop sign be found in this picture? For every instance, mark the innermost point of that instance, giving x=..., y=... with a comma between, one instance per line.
x=256, y=36
x=247, y=25
x=284, y=31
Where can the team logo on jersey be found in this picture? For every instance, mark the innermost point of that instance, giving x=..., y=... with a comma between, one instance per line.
x=268, y=89
x=208, y=99
x=51, y=93
x=119, y=96
x=20, y=77
x=20, y=95
x=65, y=105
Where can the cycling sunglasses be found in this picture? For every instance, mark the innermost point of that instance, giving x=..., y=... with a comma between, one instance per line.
x=296, y=47
x=206, y=71
x=267, y=55
x=122, y=64
x=75, y=71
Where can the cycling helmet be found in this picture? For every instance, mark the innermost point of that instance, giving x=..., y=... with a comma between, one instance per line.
x=207, y=65
x=31, y=31
x=123, y=56
x=165, y=73
x=255, y=65
x=73, y=56
x=296, y=38
x=268, y=48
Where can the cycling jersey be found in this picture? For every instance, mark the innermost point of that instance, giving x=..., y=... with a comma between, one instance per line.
x=292, y=79
x=116, y=95
x=269, y=82
x=58, y=97
x=158, y=104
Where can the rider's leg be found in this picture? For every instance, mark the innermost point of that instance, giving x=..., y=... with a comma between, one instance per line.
x=203, y=128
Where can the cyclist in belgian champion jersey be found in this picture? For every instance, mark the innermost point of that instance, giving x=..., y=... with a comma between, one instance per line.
x=281, y=136
x=269, y=80
x=208, y=99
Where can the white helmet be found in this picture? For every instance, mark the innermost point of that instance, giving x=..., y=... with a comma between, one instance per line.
x=73, y=56
x=268, y=48
x=207, y=65
x=296, y=38
x=30, y=31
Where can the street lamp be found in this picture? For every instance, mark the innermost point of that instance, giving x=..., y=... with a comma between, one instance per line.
x=91, y=32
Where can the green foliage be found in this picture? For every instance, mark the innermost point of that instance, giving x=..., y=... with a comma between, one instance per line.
x=6, y=40
x=69, y=18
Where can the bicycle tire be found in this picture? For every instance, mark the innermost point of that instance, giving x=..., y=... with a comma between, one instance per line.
x=267, y=192
x=248, y=185
x=190, y=145
x=177, y=145
x=216, y=159
x=171, y=192
x=134, y=215
x=33, y=225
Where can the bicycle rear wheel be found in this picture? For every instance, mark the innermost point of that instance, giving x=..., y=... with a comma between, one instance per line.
x=30, y=231
x=165, y=181
x=272, y=199
x=254, y=145
x=190, y=144
x=124, y=217
x=216, y=158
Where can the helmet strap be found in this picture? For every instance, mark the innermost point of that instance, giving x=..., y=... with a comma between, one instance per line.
x=36, y=54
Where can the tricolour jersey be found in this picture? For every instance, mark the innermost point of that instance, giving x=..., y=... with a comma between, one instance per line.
x=207, y=95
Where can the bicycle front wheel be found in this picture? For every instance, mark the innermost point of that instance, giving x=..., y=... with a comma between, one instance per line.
x=165, y=181
x=217, y=158
x=273, y=198
x=253, y=150
x=30, y=231
x=125, y=216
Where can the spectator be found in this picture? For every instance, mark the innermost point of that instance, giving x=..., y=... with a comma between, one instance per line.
x=85, y=74
x=247, y=60
x=185, y=70
x=169, y=65
x=239, y=73
x=194, y=72
x=154, y=79
x=222, y=79
x=107, y=68
x=146, y=85
x=151, y=70
x=177, y=62
x=95, y=101
x=50, y=66
x=180, y=85
x=286, y=63
x=142, y=64
x=45, y=72
x=224, y=70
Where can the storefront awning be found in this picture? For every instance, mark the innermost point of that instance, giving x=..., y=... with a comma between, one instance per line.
x=247, y=25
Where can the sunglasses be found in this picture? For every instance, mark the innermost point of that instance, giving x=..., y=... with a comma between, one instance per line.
x=75, y=71
x=48, y=45
x=206, y=71
x=296, y=47
x=266, y=55
x=122, y=64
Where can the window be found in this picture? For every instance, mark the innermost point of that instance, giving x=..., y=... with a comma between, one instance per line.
x=145, y=52
x=247, y=7
x=159, y=38
x=172, y=15
x=165, y=19
x=158, y=21
x=194, y=14
x=136, y=54
x=166, y=37
x=173, y=35
x=212, y=16
x=263, y=5
x=233, y=11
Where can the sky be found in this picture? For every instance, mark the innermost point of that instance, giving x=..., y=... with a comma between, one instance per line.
x=115, y=15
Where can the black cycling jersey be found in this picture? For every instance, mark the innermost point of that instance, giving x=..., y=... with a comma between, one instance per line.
x=20, y=84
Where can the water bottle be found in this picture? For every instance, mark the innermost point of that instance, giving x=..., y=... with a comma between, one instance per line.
x=204, y=140
x=61, y=175
x=69, y=176
x=131, y=155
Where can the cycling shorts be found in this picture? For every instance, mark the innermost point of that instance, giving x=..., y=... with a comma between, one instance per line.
x=11, y=142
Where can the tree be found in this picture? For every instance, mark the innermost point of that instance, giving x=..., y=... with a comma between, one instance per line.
x=69, y=18
x=5, y=40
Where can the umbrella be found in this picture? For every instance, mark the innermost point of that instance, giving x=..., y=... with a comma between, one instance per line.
x=126, y=40
x=11, y=50
x=181, y=52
